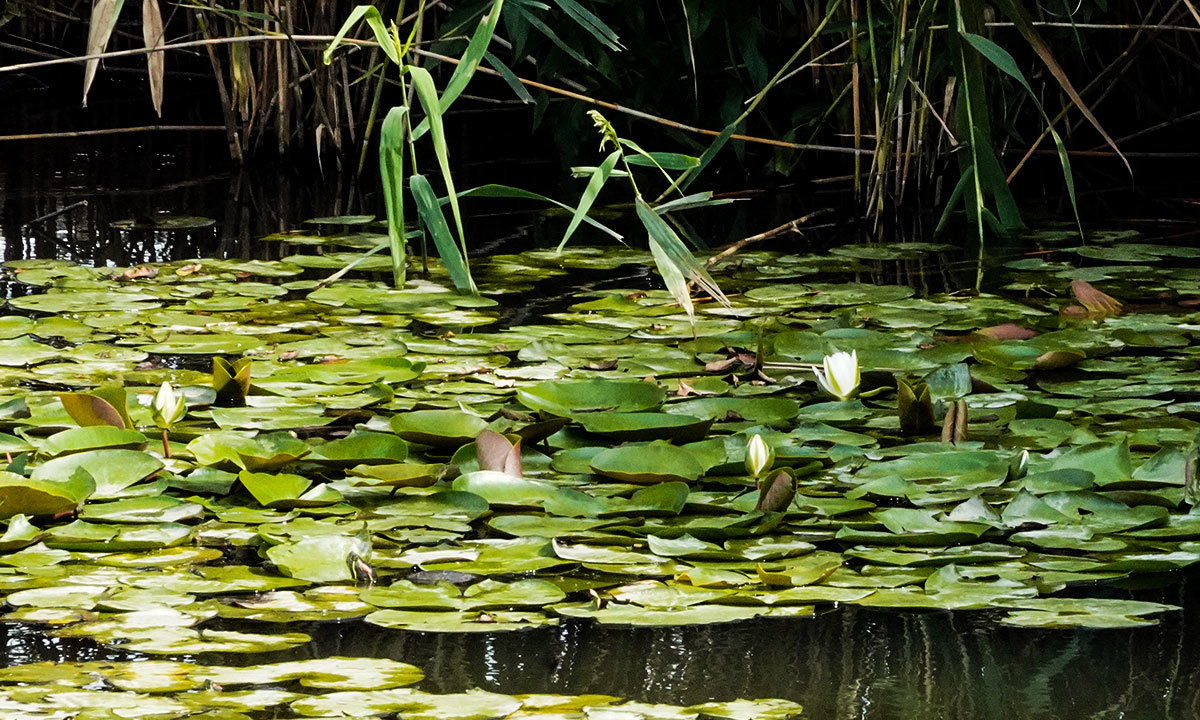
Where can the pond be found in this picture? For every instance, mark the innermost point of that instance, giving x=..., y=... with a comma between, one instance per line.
x=351, y=500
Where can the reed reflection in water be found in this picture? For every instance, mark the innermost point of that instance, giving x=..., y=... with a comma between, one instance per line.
x=845, y=663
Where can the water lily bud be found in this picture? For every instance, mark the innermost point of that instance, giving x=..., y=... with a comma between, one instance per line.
x=168, y=408
x=759, y=456
x=841, y=375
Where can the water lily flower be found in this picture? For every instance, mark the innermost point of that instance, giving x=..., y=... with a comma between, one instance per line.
x=169, y=408
x=841, y=376
x=759, y=456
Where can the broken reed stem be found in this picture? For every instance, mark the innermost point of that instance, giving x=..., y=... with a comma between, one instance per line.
x=108, y=131
x=1128, y=27
x=789, y=226
x=56, y=213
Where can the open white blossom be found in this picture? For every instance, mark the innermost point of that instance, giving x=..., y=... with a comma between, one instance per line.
x=841, y=375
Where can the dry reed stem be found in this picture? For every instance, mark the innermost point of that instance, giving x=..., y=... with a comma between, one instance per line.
x=109, y=131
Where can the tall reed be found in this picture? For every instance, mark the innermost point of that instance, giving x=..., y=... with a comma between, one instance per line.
x=936, y=104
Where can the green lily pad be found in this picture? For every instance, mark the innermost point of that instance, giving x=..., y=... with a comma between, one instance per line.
x=459, y=622
x=329, y=673
x=163, y=509
x=504, y=490
x=398, y=474
x=624, y=427
x=766, y=411
x=274, y=489
x=21, y=352
x=647, y=463
x=26, y=496
x=569, y=398
x=78, y=301
x=367, y=448
x=112, y=470
x=365, y=371
x=81, y=535
x=265, y=453
x=319, y=559
x=638, y=616
x=91, y=438
x=438, y=428
x=204, y=344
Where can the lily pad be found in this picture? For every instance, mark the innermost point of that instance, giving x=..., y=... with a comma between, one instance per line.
x=91, y=438
x=438, y=428
x=568, y=398
x=624, y=427
x=112, y=470
x=26, y=496
x=368, y=448
x=646, y=463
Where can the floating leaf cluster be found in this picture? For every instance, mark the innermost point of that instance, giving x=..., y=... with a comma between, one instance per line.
x=325, y=464
x=329, y=687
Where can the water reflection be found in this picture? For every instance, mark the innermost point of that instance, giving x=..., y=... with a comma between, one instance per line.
x=58, y=200
x=845, y=663
x=842, y=664
x=24, y=643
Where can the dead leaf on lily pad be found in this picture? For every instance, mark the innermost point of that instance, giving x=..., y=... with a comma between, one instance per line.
x=1096, y=302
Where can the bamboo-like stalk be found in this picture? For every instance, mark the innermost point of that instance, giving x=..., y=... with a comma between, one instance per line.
x=110, y=131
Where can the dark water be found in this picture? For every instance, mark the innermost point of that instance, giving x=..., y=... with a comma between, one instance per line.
x=844, y=663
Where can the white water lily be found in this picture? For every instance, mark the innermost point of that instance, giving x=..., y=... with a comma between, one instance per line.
x=841, y=376
x=168, y=408
x=759, y=456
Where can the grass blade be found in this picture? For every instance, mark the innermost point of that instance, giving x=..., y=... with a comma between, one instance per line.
x=467, y=64
x=427, y=94
x=435, y=222
x=604, y=34
x=544, y=29
x=100, y=29
x=391, y=172
x=689, y=176
x=152, y=34
x=508, y=191
x=687, y=202
x=1024, y=24
x=675, y=252
x=370, y=15
x=509, y=77
x=1008, y=65
x=662, y=160
x=595, y=184
x=353, y=264
x=674, y=279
